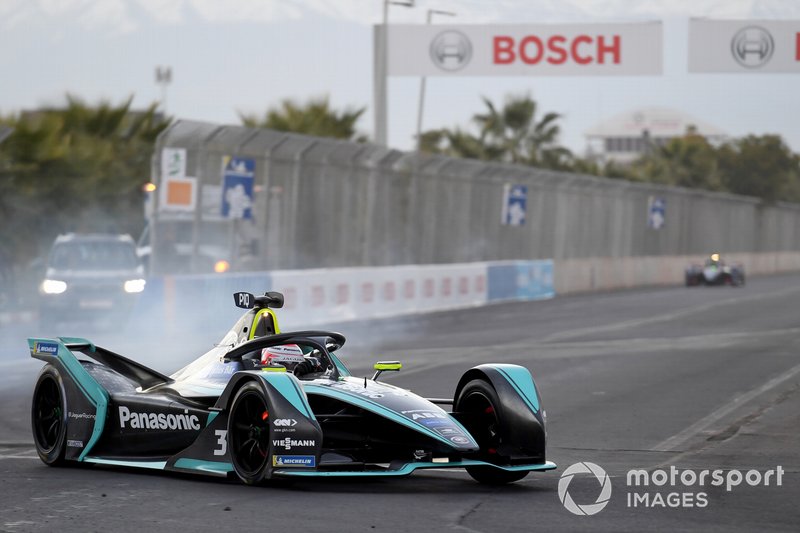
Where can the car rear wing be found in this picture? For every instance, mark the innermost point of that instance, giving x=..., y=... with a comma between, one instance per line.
x=47, y=349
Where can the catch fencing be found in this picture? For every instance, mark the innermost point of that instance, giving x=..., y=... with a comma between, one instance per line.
x=322, y=203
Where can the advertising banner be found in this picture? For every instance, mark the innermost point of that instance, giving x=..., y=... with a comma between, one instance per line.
x=515, y=202
x=630, y=49
x=238, y=175
x=744, y=46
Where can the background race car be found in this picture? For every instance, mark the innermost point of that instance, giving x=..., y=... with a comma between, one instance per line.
x=714, y=272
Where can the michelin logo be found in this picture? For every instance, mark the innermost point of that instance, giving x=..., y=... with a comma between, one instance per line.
x=136, y=420
x=45, y=348
x=294, y=460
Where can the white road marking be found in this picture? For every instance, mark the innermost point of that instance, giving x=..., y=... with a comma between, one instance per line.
x=666, y=316
x=704, y=423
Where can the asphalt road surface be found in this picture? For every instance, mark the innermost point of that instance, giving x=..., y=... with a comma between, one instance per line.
x=698, y=379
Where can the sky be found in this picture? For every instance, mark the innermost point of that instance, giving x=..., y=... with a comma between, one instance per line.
x=237, y=56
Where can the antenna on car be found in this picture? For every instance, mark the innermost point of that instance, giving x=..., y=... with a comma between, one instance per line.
x=271, y=299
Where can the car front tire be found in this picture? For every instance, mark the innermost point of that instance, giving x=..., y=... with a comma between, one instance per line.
x=484, y=421
x=249, y=434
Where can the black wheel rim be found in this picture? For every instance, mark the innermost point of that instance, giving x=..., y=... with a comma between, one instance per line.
x=250, y=434
x=483, y=424
x=49, y=411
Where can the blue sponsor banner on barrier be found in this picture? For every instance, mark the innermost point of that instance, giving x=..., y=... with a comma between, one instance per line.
x=502, y=282
x=520, y=280
x=535, y=280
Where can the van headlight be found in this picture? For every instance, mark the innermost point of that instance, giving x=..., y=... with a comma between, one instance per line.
x=53, y=286
x=134, y=285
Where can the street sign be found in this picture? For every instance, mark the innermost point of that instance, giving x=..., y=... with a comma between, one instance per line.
x=656, y=212
x=238, y=175
x=515, y=201
x=173, y=163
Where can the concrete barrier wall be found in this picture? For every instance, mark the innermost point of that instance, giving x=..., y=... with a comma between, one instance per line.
x=319, y=296
x=612, y=273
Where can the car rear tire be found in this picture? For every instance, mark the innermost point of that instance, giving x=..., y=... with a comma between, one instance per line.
x=479, y=402
x=249, y=434
x=49, y=416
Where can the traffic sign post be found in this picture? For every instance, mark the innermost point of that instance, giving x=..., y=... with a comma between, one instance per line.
x=515, y=202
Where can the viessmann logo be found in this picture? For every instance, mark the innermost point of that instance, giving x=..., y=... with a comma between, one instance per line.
x=288, y=443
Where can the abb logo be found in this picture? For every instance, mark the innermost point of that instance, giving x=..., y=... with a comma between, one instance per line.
x=558, y=49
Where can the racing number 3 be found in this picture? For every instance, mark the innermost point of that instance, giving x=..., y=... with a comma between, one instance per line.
x=222, y=442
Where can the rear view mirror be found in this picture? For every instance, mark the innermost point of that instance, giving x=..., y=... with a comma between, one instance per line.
x=386, y=366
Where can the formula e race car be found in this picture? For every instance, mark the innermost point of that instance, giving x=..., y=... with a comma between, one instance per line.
x=264, y=404
x=714, y=272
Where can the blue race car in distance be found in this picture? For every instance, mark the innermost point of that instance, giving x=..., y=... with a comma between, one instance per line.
x=714, y=272
x=264, y=404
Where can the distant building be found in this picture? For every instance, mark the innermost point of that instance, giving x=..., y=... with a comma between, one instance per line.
x=627, y=136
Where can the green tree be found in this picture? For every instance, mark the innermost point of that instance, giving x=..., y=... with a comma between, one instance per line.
x=760, y=166
x=79, y=167
x=515, y=133
x=315, y=117
x=687, y=161
x=512, y=134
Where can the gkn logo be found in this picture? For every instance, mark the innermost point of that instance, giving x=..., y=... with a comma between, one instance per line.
x=284, y=422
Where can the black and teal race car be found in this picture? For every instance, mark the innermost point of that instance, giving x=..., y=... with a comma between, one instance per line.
x=714, y=272
x=265, y=404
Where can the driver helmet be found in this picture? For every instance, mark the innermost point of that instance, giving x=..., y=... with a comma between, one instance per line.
x=287, y=355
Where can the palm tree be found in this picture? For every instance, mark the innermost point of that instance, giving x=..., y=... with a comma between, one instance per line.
x=315, y=117
x=514, y=132
x=511, y=134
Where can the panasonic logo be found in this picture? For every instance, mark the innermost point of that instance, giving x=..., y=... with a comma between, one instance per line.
x=136, y=420
x=287, y=443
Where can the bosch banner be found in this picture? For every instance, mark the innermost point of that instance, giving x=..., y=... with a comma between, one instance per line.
x=755, y=46
x=630, y=49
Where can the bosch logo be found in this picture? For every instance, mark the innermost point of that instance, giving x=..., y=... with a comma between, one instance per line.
x=451, y=50
x=752, y=47
x=602, y=498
